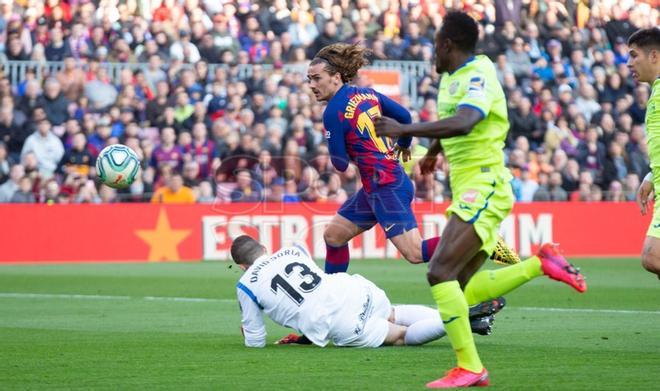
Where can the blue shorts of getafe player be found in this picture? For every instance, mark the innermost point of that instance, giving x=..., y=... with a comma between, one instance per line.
x=388, y=205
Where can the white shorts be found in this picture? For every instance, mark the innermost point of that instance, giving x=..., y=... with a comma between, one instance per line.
x=363, y=323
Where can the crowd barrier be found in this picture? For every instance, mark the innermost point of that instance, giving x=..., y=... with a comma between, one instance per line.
x=409, y=72
x=150, y=232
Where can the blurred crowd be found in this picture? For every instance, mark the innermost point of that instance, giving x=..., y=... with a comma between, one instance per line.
x=577, y=118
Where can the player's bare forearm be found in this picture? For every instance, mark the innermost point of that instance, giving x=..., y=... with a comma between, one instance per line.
x=444, y=128
x=460, y=124
x=435, y=148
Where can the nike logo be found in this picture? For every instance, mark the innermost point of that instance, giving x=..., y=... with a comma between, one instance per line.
x=464, y=207
x=453, y=318
x=387, y=229
x=656, y=225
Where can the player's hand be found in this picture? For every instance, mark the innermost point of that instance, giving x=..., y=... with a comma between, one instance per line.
x=644, y=194
x=294, y=338
x=427, y=164
x=402, y=153
x=387, y=127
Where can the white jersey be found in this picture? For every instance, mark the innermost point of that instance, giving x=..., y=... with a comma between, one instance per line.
x=294, y=292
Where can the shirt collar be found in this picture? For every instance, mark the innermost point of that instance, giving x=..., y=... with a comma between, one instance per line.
x=471, y=58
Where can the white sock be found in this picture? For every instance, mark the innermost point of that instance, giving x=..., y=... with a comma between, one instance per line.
x=425, y=331
x=405, y=315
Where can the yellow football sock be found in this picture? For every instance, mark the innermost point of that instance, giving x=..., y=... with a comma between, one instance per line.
x=489, y=284
x=454, y=312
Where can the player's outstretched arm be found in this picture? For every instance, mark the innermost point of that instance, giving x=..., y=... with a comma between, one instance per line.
x=460, y=124
x=252, y=323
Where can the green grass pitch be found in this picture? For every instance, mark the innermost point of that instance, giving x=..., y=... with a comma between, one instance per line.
x=121, y=326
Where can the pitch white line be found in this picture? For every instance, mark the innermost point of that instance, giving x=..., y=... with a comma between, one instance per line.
x=13, y=295
x=59, y=296
x=599, y=310
x=16, y=295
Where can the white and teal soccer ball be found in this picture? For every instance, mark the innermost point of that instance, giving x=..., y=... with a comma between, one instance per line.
x=117, y=166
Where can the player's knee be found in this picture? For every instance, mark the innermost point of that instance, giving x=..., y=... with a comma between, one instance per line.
x=651, y=263
x=333, y=237
x=439, y=275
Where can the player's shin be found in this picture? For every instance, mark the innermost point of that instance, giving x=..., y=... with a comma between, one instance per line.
x=489, y=284
x=454, y=312
x=336, y=258
x=424, y=331
x=428, y=248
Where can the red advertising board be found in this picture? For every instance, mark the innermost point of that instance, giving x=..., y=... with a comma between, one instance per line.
x=146, y=232
x=387, y=82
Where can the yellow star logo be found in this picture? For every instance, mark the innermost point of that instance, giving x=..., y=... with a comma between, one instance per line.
x=163, y=240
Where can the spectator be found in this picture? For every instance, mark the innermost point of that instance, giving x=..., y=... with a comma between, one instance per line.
x=57, y=50
x=630, y=186
x=264, y=171
x=184, y=50
x=54, y=102
x=24, y=193
x=586, y=101
x=191, y=174
x=525, y=123
x=638, y=108
x=5, y=163
x=518, y=59
x=78, y=159
x=174, y=193
x=100, y=93
x=9, y=187
x=291, y=192
x=71, y=79
x=205, y=193
x=167, y=153
x=47, y=148
x=615, y=192
x=246, y=189
x=591, y=152
x=550, y=188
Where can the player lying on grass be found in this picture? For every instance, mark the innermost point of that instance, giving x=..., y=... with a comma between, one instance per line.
x=347, y=310
x=387, y=192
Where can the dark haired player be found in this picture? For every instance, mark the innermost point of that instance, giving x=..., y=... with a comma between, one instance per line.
x=644, y=64
x=472, y=127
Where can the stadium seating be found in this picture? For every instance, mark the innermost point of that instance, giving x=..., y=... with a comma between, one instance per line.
x=123, y=73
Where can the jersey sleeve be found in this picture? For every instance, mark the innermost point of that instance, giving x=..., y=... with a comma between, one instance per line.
x=479, y=93
x=399, y=113
x=252, y=321
x=335, y=134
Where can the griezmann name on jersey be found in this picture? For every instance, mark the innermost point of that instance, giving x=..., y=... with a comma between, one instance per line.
x=351, y=134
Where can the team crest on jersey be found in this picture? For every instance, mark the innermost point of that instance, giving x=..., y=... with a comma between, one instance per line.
x=453, y=87
x=469, y=196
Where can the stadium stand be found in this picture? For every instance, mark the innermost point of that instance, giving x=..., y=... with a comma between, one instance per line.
x=215, y=91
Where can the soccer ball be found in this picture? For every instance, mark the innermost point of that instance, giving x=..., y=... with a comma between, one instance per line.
x=117, y=166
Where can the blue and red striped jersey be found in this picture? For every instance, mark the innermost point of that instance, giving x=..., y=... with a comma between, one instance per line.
x=351, y=135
